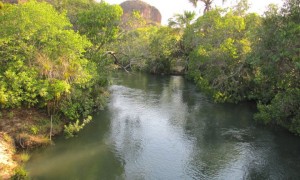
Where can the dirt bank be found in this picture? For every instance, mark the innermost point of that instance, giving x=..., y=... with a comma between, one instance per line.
x=7, y=151
x=23, y=129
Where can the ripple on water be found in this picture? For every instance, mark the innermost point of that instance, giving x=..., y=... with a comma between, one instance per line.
x=161, y=127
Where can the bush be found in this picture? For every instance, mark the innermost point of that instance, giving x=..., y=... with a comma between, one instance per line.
x=283, y=110
x=20, y=174
x=73, y=128
x=34, y=130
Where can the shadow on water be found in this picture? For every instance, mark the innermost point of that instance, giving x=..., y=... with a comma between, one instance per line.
x=161, y=127
x=84, y=157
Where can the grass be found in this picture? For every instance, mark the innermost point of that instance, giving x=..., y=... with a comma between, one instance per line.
x=20, y=173
x=7, y=138
x=34, y=129
x=11, y=115
x=31, y=128
x=22, y=157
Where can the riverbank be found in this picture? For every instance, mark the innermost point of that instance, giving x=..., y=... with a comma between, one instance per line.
x=22, y=130
x=7, y=162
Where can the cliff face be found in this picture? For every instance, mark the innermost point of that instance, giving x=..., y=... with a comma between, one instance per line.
x=150, y=13
x=11, y=1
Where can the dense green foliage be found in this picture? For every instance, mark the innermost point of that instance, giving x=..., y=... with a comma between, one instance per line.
x=218, y=60
x=236, y=56
x=100, y=23
x=132, y=47
x=41, y=58
x=151, y=49
x=146, y=47
x=72, y=8
x=46, y=64
x=163, y=48
x=276, y=61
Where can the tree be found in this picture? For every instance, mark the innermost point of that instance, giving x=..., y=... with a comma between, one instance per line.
x=133, y=21
x=182, y=20
x=133, y=47
x=43, y=64
x=100, y=23
x=207, y=4
x=241, y=8
x=277, y=67
x=72, y=7
x=163, y=48
x=183, y=23
x=218, y=61
x=41, y=58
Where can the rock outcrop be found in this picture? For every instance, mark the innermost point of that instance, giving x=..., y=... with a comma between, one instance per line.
x=150, y=13
x=14, y=1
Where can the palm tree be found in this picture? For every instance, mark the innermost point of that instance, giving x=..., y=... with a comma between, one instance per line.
x=182, y=20
x=207, y=4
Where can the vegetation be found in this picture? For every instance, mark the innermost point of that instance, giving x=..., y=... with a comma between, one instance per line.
x=182, y=21
x=235, y=56
x=46, y=64
x=276, y=61
x=55, y=58
x=73, y=129
x=52, y=68
x=54, y=63
x=59, y=62
x=207, y=4
x=146, y=47
x=230, y=54
x=20, y=173
x=218, y=61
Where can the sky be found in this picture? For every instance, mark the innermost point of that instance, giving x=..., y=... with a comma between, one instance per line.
x=168, y=8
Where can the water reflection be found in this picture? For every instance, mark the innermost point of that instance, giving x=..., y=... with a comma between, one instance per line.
x=147, y=130
x=84, y=157
x=159, y=127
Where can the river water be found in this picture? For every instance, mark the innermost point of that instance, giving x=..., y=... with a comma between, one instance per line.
x=161, y=127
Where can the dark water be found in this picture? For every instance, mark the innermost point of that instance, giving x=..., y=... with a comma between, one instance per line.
x=162, y=128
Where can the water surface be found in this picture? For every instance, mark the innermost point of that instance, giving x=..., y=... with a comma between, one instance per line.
x=161, y=127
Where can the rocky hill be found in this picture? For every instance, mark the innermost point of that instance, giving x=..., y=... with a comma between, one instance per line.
x=14, y=1
x=150, y=13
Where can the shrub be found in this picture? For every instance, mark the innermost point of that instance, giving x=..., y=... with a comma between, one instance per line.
x=20, y=174
x=73, y=128
x=283, y=110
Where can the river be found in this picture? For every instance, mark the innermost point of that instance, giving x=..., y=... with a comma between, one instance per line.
x=162, y=127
